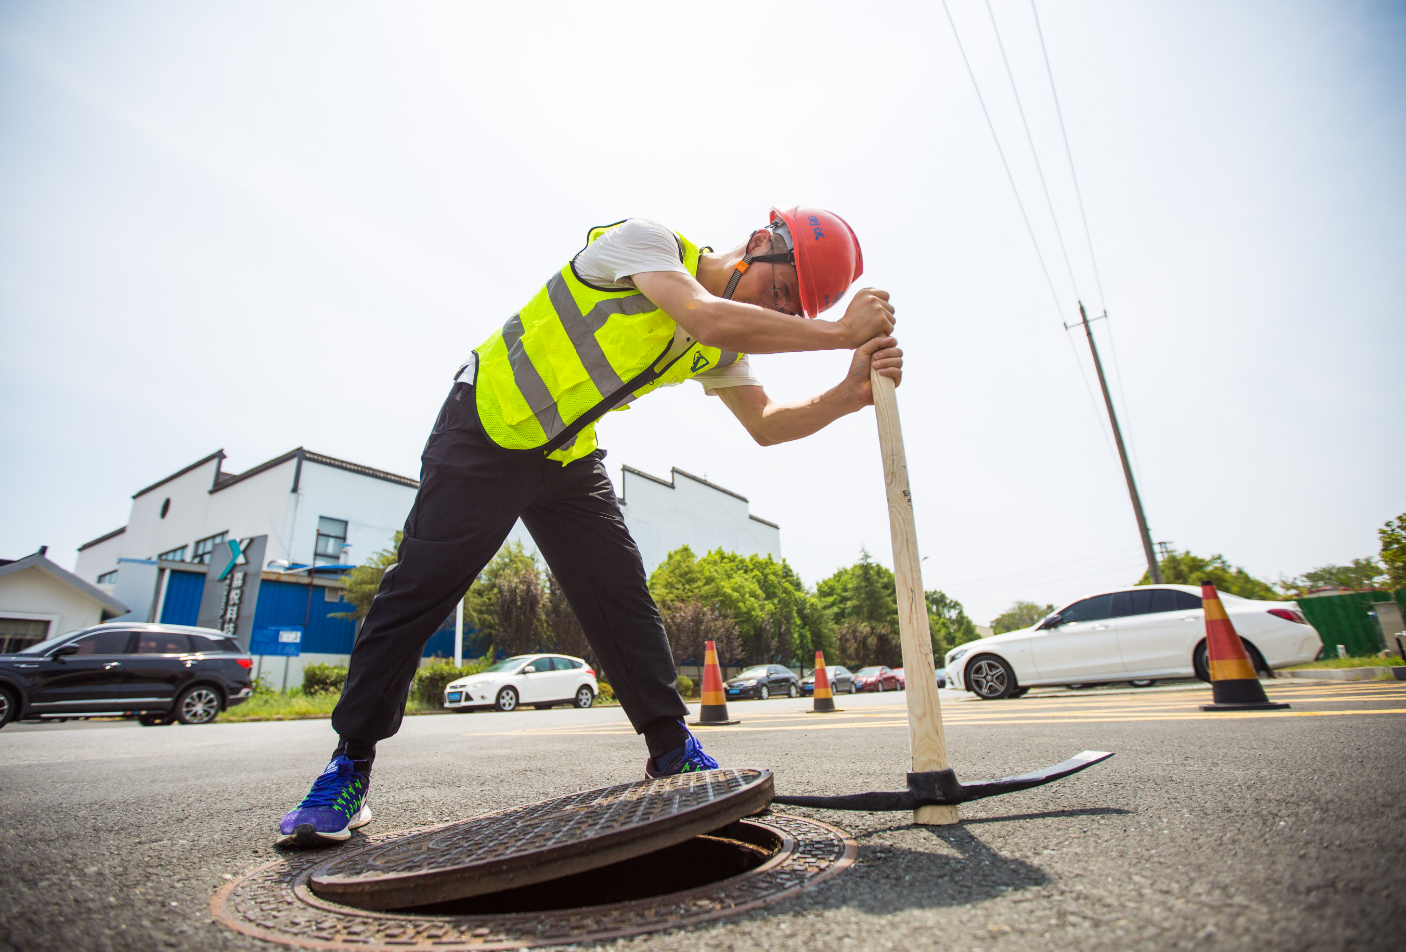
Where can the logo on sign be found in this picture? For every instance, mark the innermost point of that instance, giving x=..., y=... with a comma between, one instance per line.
x=700, y=360
x=293, y=637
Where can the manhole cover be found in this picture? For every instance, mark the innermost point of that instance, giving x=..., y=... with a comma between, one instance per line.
x=542, y=841
x=274, y=902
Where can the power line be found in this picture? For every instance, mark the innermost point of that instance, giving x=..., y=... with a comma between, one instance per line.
x=1083, y=217
x=1088, y=236
x=1001, y=152
x=1049, y=203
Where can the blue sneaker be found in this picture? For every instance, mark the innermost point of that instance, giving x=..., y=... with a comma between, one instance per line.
x=334, y=807
x=693, y=758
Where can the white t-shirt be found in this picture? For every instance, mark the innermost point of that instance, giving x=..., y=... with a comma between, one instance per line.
x=642, y=245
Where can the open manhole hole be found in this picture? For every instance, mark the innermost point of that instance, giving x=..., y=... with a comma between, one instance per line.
x=706, y=873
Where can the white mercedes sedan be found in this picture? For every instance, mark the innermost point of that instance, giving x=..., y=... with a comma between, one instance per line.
x=542, y=680
x=1140, y=634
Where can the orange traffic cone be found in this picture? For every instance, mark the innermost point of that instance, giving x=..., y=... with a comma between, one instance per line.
x=824, y=697
x=713, y=711
x=1234, y=684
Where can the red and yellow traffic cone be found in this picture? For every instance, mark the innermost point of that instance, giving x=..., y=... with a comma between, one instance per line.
x=1234, y=684
x=713, y=711
x=824, y=697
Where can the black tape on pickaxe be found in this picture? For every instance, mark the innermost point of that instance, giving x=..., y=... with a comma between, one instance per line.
x=942, y=787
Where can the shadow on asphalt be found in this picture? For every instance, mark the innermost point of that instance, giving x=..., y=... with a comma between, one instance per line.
x=889, y=878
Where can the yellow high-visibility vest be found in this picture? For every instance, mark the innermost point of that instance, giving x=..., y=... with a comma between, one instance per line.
x=574, y=353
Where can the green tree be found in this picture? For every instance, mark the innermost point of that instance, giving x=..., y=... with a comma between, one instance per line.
x=861, y=600
x=1184, y=568
x=1393, y=536
x=481, y=604
x=1361, y=576
x=948, y=623
x=364, y=581
x=1020, y=615
x=562, y=630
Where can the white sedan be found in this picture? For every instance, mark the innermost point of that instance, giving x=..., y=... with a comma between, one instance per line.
x=1140, y=635
x=542, y=680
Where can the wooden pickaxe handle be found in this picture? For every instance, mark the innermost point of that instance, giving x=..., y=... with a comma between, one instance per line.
x=924, y=709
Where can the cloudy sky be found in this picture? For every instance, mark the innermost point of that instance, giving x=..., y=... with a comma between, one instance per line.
x=260, y=225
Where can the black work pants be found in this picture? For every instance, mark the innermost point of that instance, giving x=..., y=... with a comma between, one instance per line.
x=472, y=491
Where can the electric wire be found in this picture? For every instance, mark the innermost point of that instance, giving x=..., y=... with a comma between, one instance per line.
x=1084, y=219
x=1054, y=296
x=1030, y=140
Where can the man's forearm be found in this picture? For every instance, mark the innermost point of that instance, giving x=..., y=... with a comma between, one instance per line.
x=749, y=329
x=774, y=423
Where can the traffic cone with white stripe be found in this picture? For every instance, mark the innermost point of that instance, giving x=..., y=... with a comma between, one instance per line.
x=1234, y=684
x=713, y=711
x=824, y=696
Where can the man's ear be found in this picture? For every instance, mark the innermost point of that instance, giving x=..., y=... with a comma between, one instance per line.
x=760, y=242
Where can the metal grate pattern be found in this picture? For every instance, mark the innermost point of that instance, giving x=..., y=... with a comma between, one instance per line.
x=274, y=903
x=543, y=827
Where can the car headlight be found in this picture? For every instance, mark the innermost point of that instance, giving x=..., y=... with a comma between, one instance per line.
x=957, y=654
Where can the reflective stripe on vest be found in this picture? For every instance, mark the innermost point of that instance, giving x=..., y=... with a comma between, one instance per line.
x=575, y=352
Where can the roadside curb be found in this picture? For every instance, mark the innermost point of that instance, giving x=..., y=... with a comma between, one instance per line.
x=1350, y=674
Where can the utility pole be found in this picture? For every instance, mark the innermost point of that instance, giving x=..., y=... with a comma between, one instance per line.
x=1153, y=568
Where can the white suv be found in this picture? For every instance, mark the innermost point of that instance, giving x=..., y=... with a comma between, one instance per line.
x=1139, y=635
x=542, y=680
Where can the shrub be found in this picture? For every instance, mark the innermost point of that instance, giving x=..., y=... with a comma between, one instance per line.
x=687, y=687
x=324, y=679
x=431, y=680
x=607, y=693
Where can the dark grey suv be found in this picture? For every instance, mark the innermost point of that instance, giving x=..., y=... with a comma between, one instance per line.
x=157, y=673
x=764, y=681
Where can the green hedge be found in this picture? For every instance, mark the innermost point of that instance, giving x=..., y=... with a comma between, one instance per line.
x=324, y=679
x=431, y=680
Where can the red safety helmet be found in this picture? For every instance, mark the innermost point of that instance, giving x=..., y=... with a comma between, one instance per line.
x=828, y=258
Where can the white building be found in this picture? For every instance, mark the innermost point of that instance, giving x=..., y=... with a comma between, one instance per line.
x=40, y=600
x=301, y=519
x=691, y=511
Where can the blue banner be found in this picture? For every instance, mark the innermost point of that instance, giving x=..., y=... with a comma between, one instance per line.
x=278, y=640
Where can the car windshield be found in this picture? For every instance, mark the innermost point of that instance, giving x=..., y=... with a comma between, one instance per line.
x=868, y=671
x=758, y=672
x=43, y=646
x=507, y=664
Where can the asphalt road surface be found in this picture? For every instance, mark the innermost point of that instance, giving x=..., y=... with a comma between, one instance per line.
x=1280, y=831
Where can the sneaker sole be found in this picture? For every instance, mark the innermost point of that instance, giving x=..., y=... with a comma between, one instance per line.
x=306, y=836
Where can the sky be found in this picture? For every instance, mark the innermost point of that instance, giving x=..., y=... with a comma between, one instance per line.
x=262, y=225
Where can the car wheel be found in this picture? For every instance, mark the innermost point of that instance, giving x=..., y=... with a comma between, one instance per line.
x=792, y=690
x=9, y=706
x=764, y=694
x=197, y=705
x=585, y=697
x=880, y=688
x=153, y=720
x=991, y=679
x=1200, y=662
x=1020, y=692
x=853, y=688
x=507, y=700
x=1142, y=684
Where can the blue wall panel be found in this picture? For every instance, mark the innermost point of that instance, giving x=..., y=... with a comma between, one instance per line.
x=183, y=591
x=283, y=603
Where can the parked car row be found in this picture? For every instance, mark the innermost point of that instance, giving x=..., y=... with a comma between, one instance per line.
x=158, y=674
x=1140, y=635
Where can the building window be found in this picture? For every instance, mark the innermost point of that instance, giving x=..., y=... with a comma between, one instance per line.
x=331, y=537
x=204, y=548
x=165, y=506
x=108, y=578
x=16, y=634
x=173, y=555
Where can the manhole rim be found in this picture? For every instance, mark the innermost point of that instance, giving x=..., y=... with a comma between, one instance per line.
x=222, y=909
x=420, y=887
